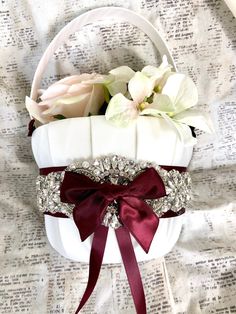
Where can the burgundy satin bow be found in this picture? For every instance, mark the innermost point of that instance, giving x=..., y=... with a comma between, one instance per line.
x=91, y=200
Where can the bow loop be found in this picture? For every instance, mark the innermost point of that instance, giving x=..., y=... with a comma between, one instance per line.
x=148, y=184
x=77, y=187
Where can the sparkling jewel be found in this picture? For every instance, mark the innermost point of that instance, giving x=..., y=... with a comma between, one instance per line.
x=85, y=164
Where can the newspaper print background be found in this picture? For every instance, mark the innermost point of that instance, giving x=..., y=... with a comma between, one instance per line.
x=199, y=275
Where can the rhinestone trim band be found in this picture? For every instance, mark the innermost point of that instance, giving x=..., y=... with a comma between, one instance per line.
x=116, y=170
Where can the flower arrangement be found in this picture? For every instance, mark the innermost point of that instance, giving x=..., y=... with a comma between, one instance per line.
x=122, y=95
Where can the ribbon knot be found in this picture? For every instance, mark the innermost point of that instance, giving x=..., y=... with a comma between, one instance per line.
x=112, y=192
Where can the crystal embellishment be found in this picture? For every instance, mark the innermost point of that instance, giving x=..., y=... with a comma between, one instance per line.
x=116, y=170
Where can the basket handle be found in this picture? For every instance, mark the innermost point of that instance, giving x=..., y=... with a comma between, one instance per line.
x=104, y=13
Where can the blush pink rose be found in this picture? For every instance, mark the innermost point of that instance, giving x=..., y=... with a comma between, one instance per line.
x=73, y=96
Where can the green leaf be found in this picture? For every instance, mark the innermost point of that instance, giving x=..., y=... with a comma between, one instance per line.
x=106, y=94
x=59, y=117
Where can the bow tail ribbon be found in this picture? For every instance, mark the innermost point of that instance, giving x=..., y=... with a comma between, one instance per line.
x=131, y=268
x=129, y=260
x=95, y=262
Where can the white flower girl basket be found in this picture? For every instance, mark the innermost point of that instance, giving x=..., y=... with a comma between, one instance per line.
x=148, y=139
